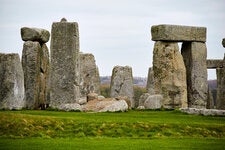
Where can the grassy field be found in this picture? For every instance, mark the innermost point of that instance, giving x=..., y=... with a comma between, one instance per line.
x=128, y=130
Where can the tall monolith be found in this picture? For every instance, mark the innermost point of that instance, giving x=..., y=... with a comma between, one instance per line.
x=64, y=68
x=11, y=82
x=122, y=83
x=169, y=74
x=89, y=75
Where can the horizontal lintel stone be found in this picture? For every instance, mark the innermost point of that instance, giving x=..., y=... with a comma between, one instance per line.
x=35, y=34
x=178, y=33
x=214, y=63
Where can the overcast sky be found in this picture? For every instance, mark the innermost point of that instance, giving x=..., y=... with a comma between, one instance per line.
x=117, y=32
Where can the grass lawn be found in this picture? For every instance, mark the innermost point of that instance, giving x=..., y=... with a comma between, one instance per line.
x=128, y=130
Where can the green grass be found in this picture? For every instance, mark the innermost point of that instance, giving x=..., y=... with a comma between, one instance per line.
x=130, y=130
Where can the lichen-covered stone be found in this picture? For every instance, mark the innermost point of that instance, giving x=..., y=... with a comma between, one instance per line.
x=35, y=34
x=194, y=55
x=220, y=100
x=35, y=61
x=11, y=82
x=143, y=98
x=178, y=33
x=89, y=75
x=153, y=102
x=64, y=68
x=214, y=63
x=150, y=81
x=169, y=74
x=122, y=83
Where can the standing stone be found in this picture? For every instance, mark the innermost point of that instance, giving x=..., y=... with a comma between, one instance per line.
x=64, y=72
x=35, y=61
x=89, y=75
x=150, y=81
x=220, y=100
x=169, y=74
x=11, y=82
x=223, y=42
x=194, y=55
x=31, y=68
x=122, y=83
x=210, y=101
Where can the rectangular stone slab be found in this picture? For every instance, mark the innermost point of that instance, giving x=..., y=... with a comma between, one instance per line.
x=178, y=33
x=214, y=63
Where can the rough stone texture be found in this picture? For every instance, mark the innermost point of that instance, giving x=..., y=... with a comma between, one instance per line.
x=210, y=101
x=35, y=34
x=194, y=55
x=122, y=83
x=214, y=63
x=126, y=98
x=205, y=112
x=150, y=81
x=92, y=96
x=70, y=107
x=178, y=33
x=64, y=71
x=106, y=105
x=169, y=74
x=89, y=75
x=153, y=102
x=143, y=98
x=11, y=82
x=220, y=100
x=223, y=42
x=35, y=61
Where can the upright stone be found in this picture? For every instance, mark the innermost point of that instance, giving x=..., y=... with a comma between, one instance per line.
x=223, y=42
x=150, y=81
x=64, y=72
x=89, y=75
x=169, y=74
x=178, y=33
x=122, y=83
x=11, y=82
x=194, y=55
x=220, y=100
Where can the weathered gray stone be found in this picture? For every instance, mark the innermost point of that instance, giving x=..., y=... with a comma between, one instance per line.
x=214, y=63
x=220, y=100
x=89, y=75
x=205, y=112
x=153, y=102
x=169, y=74
x=122, y=83
x=92, y=96
x=35, y=61
x=143, y=98
x=106, y=105
x=178, y=33
x=35, y=34
x=223, y=42
x=194, y=55
x=150, y=81
x=70, y=107
x=64, y=70
x=210, y=101
x=11, y=82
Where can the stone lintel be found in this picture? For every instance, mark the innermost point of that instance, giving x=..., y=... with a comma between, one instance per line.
x=178, y=33
x=214, y=63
